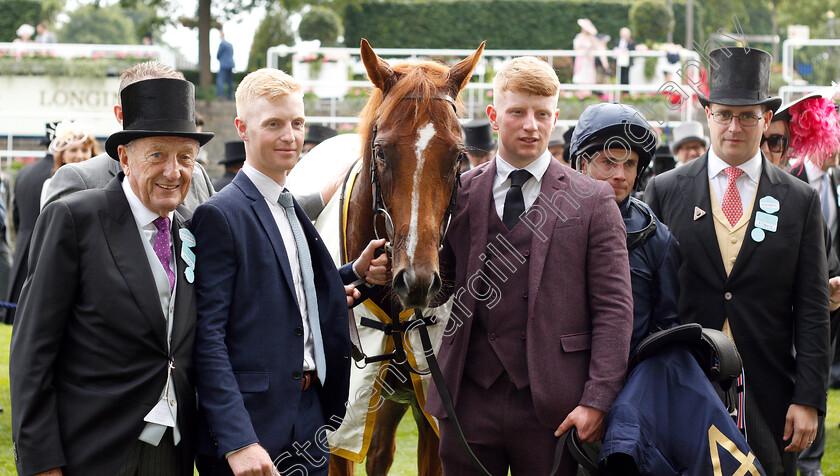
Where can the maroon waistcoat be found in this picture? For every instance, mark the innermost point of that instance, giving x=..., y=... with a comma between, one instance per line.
x=497, y=340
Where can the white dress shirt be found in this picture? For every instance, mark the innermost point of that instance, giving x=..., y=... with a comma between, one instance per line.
x=530, y=189
x=270, y=190
x=816, y=179
x=144, y=218
x=747, y=183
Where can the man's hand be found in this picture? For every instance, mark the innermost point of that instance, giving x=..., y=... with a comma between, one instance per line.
x=589, y=422
x=800, y=427
x=352, y=294
x=52, y=472
x=252, y=461
x=834, y=296
x=374, y=270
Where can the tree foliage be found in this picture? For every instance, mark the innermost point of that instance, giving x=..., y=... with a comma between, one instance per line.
x=320, y=23
x=14, y=13
x=651, y=20
x=93, y=24
x=274, y=30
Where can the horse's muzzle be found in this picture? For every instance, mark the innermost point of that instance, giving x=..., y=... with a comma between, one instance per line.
x=416, y=291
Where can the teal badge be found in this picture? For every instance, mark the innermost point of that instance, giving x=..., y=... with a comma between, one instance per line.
x=767, y=222
x=757, y=235
x=769, y=204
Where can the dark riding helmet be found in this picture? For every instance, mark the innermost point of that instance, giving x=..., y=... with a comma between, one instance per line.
x=613, y=126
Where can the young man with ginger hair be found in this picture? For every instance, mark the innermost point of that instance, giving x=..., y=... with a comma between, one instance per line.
x=540, y=329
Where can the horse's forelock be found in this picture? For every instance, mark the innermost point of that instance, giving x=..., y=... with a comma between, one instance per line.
x=423, y=80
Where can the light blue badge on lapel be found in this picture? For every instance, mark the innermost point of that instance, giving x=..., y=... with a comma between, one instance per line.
x=757, y=235
x=767, y=222
x=187, y=242
x=769, y=204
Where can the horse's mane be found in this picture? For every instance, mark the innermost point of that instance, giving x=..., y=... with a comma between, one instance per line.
x=423, y=80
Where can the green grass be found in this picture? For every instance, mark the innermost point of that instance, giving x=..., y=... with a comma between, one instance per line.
x=404, y=459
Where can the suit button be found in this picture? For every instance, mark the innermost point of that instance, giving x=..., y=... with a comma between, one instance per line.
x=172, y=403
x=526, y=253
x=296, y=375
x=492, y=336
x=733, y=240
x=524, y=294
x=727, y=296
x=298, y=331
x=522, y=336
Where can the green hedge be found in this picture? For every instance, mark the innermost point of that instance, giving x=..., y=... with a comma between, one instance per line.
x=14, y=13
x=505, y=24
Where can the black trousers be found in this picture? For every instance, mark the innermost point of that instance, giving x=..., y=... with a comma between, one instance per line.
x=146, y=460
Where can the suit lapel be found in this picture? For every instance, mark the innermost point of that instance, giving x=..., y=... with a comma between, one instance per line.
x=693, y=180
x=480, y=195
x=125, y=244
x=265, y=217
x=539, y=247
x=768, y=185
x=184, y=295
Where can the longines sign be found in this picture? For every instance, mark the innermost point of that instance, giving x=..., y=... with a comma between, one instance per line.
x=28, y=102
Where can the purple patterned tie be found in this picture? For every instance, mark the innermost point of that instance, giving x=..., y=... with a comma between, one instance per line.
x=162, y=248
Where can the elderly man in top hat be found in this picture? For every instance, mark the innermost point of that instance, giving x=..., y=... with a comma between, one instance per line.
x=753, y=259
x=689, y=142
x=557, y=143
x=233, y=161
x=101, y=357
x=479, y=142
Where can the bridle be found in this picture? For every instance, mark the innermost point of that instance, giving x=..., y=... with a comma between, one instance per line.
x=379, y=205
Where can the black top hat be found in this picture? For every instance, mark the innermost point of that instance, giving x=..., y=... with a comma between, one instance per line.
x=317, y=134
x=234, y=152
x=478, y=136
x=155, y=108
x=740, y=77
x=49, y=135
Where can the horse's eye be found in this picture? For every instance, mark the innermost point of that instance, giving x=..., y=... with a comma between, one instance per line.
x=380, y=155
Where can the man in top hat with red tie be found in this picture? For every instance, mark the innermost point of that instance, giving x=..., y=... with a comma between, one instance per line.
x=101, y=356
x=753, y=259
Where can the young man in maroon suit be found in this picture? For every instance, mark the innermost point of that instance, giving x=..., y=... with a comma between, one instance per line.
x=540, y=330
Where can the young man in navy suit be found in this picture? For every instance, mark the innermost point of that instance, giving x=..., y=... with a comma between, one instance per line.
x=272, y=345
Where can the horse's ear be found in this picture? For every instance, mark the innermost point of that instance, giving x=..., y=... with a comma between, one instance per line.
x=460, y=74
x=378, y=70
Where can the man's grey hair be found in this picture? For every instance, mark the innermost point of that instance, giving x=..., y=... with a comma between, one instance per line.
x=146, y=70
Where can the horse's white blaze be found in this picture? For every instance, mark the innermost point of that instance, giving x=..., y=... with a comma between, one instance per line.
x=424, y=136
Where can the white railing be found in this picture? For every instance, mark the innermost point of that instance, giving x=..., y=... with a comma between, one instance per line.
x=94, y=51
x=472, y=96
x=789, y=46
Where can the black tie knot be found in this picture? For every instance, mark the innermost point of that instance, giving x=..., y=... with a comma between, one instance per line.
x=519, y=177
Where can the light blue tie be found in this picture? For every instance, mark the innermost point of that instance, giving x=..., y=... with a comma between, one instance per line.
x=825, y=198
x=308, y=284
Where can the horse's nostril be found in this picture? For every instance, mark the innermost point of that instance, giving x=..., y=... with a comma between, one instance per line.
x=435, y=286
x=402, y=284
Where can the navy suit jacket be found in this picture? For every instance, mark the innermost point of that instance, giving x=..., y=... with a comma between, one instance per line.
x=249, y=343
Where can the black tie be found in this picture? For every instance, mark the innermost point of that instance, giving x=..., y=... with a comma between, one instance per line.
x=514, y=201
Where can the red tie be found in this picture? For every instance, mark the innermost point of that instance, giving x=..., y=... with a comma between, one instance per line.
x=731, y=204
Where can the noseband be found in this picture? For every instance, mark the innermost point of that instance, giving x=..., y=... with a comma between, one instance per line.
x=379, y=205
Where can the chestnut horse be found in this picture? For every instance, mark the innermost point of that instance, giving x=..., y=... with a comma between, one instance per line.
x=411, y=146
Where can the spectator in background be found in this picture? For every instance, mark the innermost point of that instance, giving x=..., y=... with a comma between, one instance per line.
x=26, y=206
x=226, y=65
x=147, y=39
x=233, y=161
x=585, y=42
x=623, y=60
x=480, y=146
x=315, y=135
x=24, y=33
x=45, y=35
x=689, y=142
x=72, y=143
x=5, y=248
x=557, y=143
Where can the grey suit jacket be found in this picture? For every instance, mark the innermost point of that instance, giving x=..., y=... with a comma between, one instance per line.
x=98, y=171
